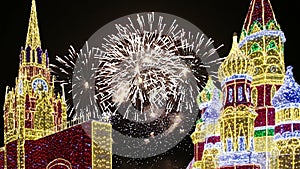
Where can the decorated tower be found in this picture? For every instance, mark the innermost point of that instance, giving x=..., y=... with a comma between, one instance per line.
x=198, y=137
x=212, y=144
x=237, y=115
x=206, y=137
x=31, y=109
x=286, y=153
x=262, y=41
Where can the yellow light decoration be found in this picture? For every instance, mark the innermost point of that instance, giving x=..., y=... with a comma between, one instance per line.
x=101, y=145
x=238, y=115
x=261, y=68
x=263, y=42
x=34, y=112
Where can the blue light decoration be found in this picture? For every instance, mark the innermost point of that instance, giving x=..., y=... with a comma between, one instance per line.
x=288, y=95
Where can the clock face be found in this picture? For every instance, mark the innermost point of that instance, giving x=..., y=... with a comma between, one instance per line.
x=39, y=84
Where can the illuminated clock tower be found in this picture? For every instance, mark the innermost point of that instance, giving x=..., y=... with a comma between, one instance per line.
x=31, y=109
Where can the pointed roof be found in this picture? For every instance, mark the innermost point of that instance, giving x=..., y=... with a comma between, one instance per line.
x=288, y=95
x=261, y=13
x=260, y=20
x=33, y=35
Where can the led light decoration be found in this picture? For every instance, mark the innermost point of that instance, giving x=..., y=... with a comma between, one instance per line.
x=238, y=115
x=212, y=145
x=286, y=101
x=36, y=131
x=263, y=42
x=250, y=135
x=32, y=107
x=206, y=137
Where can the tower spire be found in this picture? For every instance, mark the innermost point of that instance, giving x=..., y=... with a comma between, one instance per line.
x=260, y=19
x=260, y=11
x=33, y=35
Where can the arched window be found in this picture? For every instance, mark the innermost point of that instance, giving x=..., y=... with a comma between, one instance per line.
x=248, y=94
x=240, y=93
x=229, y=145
x=59, y=163
x=230, y=95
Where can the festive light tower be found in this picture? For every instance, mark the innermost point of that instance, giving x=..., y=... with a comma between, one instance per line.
x=262, y=41
x=211, y=126
x=237, y=117
x=287, y=130
x=198, y=136
x=31, y=108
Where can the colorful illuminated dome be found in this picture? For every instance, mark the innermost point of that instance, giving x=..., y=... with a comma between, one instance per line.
x=288, y=94
x=235, y=64
x=206, y=95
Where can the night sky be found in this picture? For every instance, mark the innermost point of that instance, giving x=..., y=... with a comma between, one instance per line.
x=65, y=23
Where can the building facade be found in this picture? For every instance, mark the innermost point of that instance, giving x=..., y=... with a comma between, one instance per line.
x=36, y=131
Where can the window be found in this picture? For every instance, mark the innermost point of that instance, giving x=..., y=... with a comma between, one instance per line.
x=240, y=93
x=230, y=95
x=248, y=94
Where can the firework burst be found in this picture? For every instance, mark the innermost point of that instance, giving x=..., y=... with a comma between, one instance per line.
x=144, y=76
x=76, y=73
x=147, y=66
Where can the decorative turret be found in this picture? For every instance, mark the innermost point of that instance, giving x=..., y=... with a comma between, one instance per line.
x=287, y=129
x=260, y=21
x=32, y=110
x=206, y=125
x=33, y=34
x=212, y=112
x=237, y=114
x=211, y=126
x=236, y=64
x=262, y=41
x=288, y=95
x=235, y=75
x=205, y=96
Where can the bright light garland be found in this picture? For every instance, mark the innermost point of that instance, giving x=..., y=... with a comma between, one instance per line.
x=261, y=34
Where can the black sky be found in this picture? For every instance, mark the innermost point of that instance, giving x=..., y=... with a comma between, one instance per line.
x=64, y=22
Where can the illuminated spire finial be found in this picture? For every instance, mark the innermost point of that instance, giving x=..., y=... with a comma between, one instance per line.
x=33, y=35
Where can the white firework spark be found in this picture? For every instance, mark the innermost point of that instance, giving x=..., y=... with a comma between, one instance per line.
x=145, y=65
x=76, y=72
x=63, y=72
